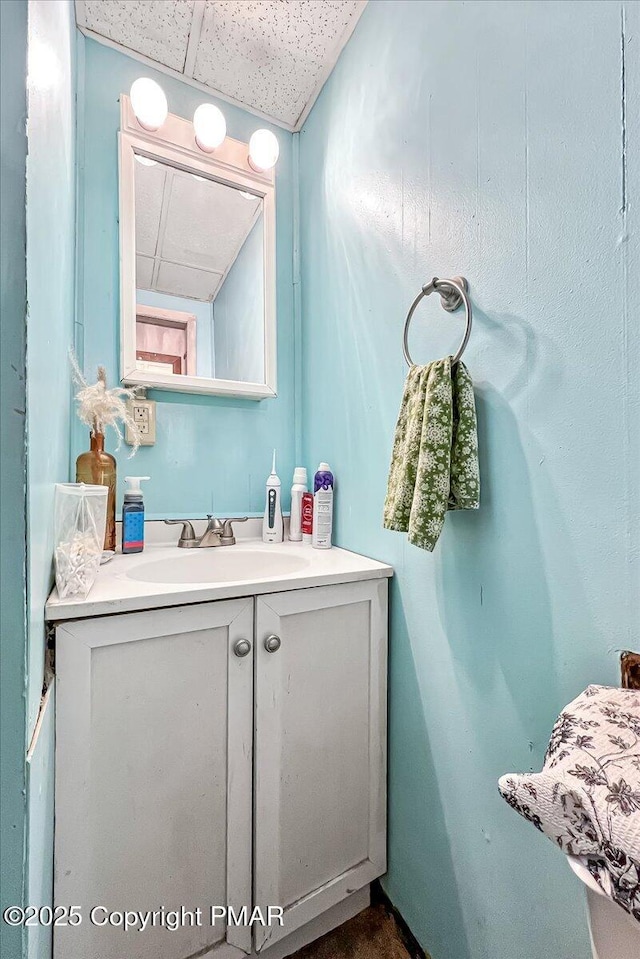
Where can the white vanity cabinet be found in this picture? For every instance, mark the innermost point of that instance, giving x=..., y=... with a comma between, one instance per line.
x=153, y=777
x=229, y=753
x=320, y=748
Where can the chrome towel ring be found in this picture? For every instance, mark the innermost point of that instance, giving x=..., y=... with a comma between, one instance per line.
x=452, y=292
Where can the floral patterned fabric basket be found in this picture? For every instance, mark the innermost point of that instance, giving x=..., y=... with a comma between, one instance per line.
x=587, y=796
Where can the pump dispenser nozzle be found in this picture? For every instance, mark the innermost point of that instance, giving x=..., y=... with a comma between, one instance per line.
x=134, y=487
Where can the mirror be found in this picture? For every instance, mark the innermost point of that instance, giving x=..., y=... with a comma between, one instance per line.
x=199, y=275
x=197, y=294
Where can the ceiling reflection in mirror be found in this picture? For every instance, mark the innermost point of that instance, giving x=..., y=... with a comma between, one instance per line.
x=199, y=270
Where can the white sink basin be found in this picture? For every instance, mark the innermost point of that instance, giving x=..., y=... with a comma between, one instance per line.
x=222, y=564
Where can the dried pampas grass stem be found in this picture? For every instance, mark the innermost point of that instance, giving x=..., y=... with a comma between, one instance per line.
x=99, y=407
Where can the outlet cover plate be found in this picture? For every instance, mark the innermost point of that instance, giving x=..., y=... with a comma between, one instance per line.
x=143, y=412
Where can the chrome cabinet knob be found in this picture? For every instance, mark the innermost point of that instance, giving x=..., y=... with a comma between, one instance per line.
x=272, y=644
x=242, y=647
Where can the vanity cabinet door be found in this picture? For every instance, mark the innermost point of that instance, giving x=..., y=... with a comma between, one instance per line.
x=320, y=748
x=153, y=779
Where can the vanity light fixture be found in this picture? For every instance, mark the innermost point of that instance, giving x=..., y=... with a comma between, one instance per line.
x=264, y=150
x=210, y=127
x=149, y=103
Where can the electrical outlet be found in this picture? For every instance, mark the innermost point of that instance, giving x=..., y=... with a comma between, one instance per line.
x=143, y=413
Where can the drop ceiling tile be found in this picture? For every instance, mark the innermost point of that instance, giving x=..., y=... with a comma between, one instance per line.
x=144, y=272
x=206, y=223
x=149, y=191
x=185, y=281
x=191, y=227
x=158, y=29
x=271, y=54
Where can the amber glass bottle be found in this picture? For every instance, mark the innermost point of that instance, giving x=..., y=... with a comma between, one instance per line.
x=99, y=468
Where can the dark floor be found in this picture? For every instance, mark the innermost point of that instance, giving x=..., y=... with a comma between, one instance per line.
x=372, y=934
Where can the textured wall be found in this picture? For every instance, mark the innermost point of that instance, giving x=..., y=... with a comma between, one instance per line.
x=500, y=141
x=51, y=250
x=51, y=293
x=212, y=454
x=39, y=863
x=13, y=305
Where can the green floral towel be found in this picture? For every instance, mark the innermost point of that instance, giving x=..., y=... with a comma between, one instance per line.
x=434, y=465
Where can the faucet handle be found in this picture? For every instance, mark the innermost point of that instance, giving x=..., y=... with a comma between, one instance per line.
x=187, y=536
x=226, y=536
x=213, y=523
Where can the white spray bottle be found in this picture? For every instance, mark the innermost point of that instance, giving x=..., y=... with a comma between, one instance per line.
x=272, y=527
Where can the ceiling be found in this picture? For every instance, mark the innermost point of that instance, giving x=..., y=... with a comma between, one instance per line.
x=189, y=230
x=269, y=56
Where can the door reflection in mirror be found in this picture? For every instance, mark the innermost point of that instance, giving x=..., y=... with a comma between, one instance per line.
x=166, y=339
x=199, y=275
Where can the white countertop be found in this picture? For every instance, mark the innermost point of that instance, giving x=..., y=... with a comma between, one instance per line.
x=116, y=592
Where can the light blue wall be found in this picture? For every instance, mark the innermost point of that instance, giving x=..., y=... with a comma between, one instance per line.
x=40, y=791
x=485, y=139
x=239, y=314
x=203, y=313
x=51, y=221
x=50, y=291
x=212, y=453
x=13, y=305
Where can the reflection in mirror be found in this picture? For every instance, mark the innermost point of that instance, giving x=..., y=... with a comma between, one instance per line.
x=199, y=275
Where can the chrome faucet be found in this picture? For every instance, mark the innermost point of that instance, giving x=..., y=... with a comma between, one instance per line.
x=217, y=533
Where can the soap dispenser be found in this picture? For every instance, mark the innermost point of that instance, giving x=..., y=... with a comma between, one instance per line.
x=272, y=526
x=133, y=516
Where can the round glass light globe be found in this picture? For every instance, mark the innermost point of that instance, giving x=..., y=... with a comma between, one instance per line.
x=264, y=150
x=149, y=103
x=210, y=127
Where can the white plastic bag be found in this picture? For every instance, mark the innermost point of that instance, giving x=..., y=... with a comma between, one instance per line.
x=80, y=522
